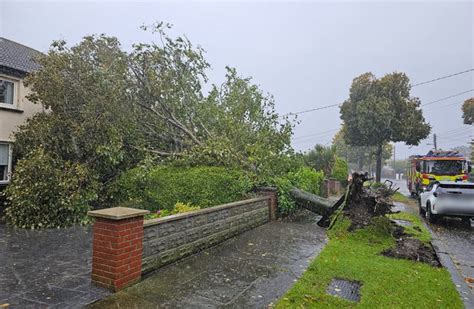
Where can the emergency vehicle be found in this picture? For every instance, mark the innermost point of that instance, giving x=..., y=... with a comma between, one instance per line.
x=436, y=165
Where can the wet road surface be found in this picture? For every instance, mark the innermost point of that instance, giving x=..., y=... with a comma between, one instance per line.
x=457, y=240
x=251, y=270
x=47, y=268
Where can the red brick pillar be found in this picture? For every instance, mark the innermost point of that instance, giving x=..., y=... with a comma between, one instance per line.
x=271, y=192
x=117, y=247
x=325, y=188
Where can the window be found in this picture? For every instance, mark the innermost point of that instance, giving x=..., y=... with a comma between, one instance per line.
x=5, y=162
x=6, y=92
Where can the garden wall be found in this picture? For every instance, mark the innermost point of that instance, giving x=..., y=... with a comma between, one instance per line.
x=171, y=238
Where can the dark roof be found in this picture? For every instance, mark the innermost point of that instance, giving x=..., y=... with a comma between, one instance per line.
x=17, y=57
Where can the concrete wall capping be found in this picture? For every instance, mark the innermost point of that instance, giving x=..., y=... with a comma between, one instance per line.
x=194, y=213
x=118, y=213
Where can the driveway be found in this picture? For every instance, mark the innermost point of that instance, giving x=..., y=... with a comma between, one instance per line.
x=251, y=270
x=46, y=268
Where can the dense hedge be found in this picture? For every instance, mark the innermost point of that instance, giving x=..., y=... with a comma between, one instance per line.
x=46, y=192
x=161, y=187
x=305, y=178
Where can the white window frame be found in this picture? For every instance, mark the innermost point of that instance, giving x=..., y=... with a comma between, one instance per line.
x=9, y=166
x=16, y=92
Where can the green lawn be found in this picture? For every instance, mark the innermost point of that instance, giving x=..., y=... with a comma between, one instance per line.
x=386, y=282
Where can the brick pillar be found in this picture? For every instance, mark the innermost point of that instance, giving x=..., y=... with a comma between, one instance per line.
x=325, y=188
x=117, y=247
x=271, y=192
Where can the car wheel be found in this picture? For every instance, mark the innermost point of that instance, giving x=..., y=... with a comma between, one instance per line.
x=432, y=218
x=420, y=209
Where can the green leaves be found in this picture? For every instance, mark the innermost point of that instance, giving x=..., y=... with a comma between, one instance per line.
x=107, y=109
x=468, y=111
x=379, y=111
x=161, y=187
x=304, y=178
x=46, y=192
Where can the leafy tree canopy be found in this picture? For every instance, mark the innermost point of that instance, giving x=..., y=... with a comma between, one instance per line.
x=108, y=109
x=380, y=111
x=468, y=111
x=321, y=158
x=361, y=156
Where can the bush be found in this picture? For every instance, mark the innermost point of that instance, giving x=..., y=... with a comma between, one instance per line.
x=179, y=208
x=305, y=178
x=340, y=170
x=46, y=192
x=161, y=187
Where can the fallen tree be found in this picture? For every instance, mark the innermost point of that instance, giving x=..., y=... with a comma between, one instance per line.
x=361, y=205
x=312, y=202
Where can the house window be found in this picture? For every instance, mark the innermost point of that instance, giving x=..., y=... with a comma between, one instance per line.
x=6, y=92
x=5, y=162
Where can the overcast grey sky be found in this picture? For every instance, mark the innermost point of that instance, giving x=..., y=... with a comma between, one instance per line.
x=304, y=53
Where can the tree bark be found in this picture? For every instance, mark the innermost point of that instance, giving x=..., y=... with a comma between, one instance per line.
x=378, y=168
x=312, y=202
x=360, y=164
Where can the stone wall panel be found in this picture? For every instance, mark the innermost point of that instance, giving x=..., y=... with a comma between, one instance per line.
x=171, y=238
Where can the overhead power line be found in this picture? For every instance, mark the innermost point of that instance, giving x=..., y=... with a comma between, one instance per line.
x=315, y=134
x=442, y=77
x=312, y=109
x=415, y=85
x=448, y=97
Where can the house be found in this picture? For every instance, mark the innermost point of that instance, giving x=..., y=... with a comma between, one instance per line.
x=16, y=61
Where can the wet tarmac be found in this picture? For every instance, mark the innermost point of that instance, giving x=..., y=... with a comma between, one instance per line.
x=458, y=239
x=46, y=269
x=251, y=270
x=454, y=238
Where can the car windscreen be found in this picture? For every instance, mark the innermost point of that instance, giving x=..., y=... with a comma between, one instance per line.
x=444, y=167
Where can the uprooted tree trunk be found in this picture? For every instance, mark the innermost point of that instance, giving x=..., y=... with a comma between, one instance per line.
x=360, y=203
x=311, y=202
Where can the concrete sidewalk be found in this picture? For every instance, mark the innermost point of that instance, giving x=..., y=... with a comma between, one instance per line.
x=251, y=270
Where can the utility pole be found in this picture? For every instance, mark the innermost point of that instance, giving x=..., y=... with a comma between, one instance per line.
x=434, y=142
x=394, y=155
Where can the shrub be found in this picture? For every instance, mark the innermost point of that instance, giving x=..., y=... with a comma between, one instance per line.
x=46, y=192
x=161, y=187
x=340, y=170
x=305, y=178
x=178, y=208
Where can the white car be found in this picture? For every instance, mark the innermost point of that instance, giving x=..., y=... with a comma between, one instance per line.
x=447, y=198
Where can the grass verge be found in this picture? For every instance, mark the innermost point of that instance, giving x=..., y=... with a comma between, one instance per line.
x=386, y=282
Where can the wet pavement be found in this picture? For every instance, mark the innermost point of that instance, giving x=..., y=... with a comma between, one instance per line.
x=251, y=270
x=46, y=268
x=455, y=239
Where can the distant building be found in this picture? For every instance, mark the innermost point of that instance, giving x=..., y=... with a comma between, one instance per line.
x=16, y=61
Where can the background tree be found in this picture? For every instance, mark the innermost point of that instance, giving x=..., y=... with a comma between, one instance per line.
x=321, y=158
x=380, y=111
x=360, y=157
x=468, y=111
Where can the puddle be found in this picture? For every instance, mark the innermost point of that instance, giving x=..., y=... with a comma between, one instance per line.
x=397, y=206
x=402, y=222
